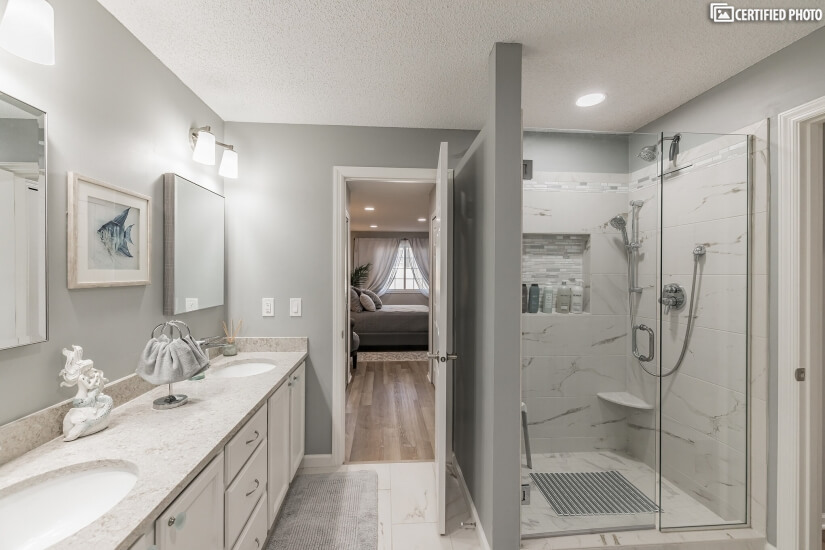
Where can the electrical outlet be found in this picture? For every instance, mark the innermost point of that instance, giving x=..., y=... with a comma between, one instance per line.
x=191, y=304
x=294, y=307
x=268, y=307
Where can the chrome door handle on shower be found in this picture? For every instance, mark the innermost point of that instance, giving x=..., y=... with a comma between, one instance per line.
x=651, y=343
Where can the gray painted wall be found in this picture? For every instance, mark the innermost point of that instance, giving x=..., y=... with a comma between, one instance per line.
x=788, y=78
x=567, y=151
x=279, y=231
x=125, y=123
x=487, y=261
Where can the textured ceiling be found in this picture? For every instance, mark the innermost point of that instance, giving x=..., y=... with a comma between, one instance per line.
x=397, y=205
x=423, y=63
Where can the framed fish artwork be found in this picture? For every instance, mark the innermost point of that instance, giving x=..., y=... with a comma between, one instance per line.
x=109, y=235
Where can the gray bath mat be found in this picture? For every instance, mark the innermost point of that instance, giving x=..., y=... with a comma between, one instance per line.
x=329, y=512
x=592, y=494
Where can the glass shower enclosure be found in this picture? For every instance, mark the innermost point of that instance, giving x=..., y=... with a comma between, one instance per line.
x=635, y=402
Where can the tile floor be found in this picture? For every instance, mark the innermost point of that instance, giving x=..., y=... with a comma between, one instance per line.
x=538, y=518
x=406, y=507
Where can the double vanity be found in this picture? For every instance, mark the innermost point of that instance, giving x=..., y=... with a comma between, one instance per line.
x=211, y=474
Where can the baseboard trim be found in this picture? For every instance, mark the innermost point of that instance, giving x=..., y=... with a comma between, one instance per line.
x=318, y=461
x=482, y=538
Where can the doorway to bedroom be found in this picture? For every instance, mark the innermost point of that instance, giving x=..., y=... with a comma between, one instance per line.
x=390, y=409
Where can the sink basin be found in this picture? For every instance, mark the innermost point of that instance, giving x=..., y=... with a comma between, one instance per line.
x=242, y=369
x=42, y=513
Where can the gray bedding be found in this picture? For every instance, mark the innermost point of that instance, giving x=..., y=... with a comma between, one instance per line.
x=395, y=319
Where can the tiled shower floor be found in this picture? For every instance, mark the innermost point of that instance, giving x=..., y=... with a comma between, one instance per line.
x=539, y=519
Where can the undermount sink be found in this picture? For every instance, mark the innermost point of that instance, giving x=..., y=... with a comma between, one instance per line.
x=43, y=513
x=242, y=369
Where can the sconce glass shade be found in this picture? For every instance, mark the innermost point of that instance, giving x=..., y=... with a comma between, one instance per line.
x=27, y=30
x=229, y=164
x=204, y=148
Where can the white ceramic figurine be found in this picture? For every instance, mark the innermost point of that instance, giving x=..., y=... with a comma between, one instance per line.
x=90, y=407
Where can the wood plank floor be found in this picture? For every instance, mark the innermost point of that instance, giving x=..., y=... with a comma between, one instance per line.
x=390, y=412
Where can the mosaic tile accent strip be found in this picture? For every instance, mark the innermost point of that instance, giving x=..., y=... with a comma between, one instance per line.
x=552, y=258
x=579, y=182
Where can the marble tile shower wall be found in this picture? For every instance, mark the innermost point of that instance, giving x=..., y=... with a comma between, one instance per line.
x=568, y=359
x=704, y=405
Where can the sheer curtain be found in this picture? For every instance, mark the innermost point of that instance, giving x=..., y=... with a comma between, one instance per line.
x=421, y=254
x=381, y=253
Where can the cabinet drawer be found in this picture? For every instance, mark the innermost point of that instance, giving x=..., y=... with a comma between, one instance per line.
x=244, y=493
x=241, y=447
x=253, y=535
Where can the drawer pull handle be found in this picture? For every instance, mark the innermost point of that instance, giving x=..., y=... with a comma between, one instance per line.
x=257, y=484
x=178, y=521
x=254, y=439
x=257, y=543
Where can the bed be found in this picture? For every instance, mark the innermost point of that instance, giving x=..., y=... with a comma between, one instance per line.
x=393, y=326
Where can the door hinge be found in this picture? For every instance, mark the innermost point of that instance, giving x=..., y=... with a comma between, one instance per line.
x=525, y=493
x=799, y=374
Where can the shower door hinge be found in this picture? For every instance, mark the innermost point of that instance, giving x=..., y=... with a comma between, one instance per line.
x=525, y=493
x=799, y=374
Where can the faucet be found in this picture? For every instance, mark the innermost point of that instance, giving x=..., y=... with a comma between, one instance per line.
x=211, y=342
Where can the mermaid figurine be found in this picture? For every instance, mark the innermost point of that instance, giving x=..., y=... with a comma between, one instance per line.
x=90, y=407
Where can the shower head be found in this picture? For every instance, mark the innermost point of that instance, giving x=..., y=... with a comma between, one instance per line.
x=618, y=222
x=647, y=153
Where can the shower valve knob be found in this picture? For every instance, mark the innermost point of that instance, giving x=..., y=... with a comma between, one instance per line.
x=673, y=296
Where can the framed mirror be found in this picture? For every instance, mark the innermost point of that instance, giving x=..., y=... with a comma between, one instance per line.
x=193, y=246
x=23, y=273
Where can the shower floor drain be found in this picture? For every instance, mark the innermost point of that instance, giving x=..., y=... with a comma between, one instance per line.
x=592, y=494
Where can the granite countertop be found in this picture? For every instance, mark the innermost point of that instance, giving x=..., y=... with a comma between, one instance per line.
x=167, y=448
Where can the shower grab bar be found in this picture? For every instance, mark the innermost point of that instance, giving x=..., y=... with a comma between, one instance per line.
x=651, y=344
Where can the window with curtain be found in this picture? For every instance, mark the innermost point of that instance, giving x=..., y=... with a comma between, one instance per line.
x=406, y=273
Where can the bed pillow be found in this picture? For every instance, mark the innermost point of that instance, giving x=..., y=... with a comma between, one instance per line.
x=354, y=302
x=357, y=290
x=367, y=302
x=376, y=300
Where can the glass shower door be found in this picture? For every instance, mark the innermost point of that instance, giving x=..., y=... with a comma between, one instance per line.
x=703, y=330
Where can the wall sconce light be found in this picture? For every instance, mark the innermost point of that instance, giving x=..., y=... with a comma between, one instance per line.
x=27, y=30
x=204, y=143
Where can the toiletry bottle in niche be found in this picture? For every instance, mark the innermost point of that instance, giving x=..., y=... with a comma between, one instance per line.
x=563, y=298
x=549, y=299
x=533, y=300
x=523, y=298
x=576, y=297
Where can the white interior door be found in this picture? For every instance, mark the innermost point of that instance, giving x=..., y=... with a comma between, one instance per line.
x=441, y=355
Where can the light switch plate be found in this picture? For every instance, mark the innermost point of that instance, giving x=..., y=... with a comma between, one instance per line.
x=294, y=307
x=267, y=307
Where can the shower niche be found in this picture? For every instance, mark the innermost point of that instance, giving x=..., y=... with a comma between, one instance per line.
x=651, y=432
x=550, y=258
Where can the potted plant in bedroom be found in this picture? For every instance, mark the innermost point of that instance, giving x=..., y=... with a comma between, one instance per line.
x=359, y=275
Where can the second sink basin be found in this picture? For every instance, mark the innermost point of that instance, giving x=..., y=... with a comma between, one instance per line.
x=242, y=369
x=45, y=512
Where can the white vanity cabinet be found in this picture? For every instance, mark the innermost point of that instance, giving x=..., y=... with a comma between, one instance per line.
x=297, y=418
x=234, y=502
x=195, y=519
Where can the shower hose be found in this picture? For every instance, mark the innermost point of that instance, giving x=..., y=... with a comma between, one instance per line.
x=689, y=329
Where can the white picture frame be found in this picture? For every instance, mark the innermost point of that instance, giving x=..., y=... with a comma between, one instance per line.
x=109, y=237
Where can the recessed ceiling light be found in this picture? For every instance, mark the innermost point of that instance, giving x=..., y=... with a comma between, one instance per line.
x=369, y=208
x=373, y=227
x=422, y=219
x=590, y=99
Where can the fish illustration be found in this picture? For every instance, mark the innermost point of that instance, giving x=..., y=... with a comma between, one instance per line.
x=114, y=236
